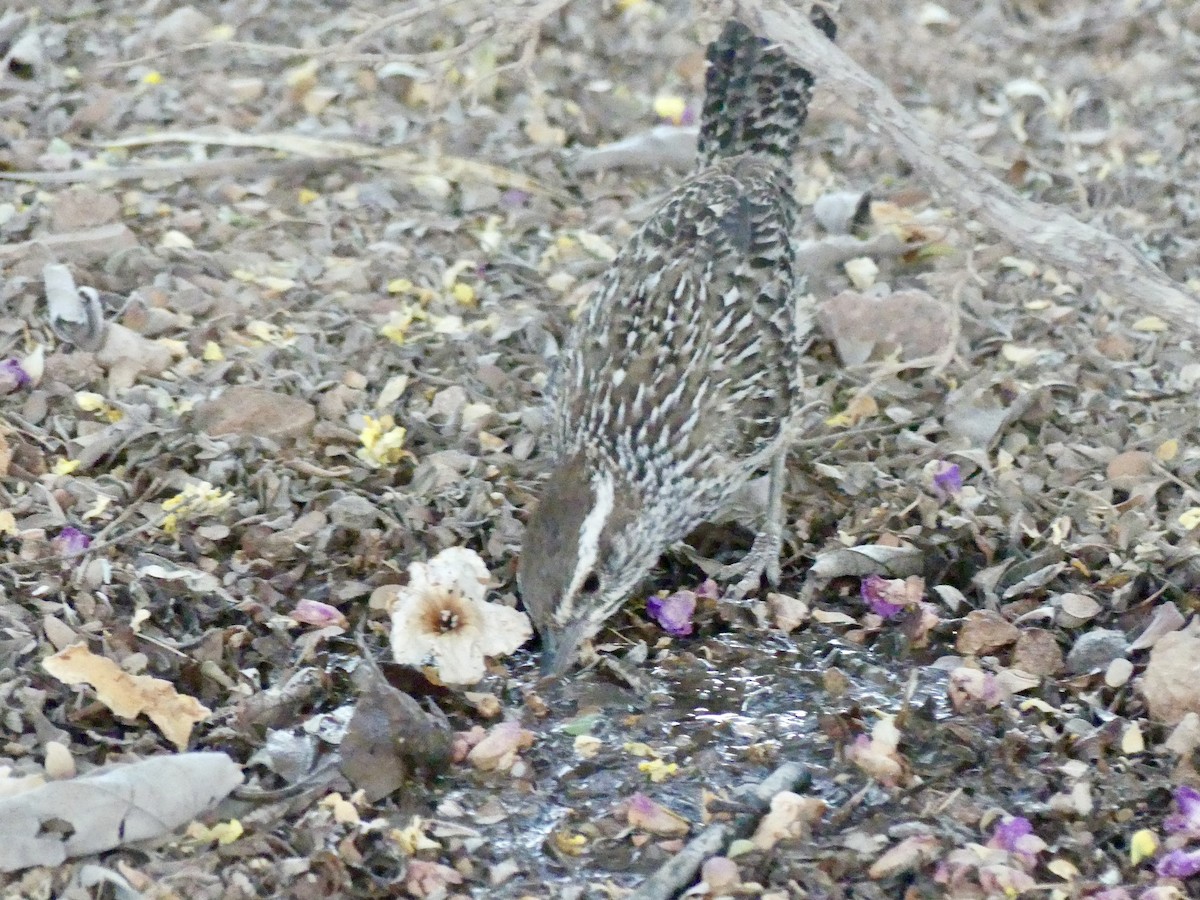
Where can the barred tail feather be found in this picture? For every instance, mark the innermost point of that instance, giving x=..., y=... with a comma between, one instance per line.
x=756, y=97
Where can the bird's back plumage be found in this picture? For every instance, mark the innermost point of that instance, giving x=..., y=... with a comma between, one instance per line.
x=682, y=368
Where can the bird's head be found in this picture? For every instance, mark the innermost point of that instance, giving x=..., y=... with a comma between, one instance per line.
x=586, y=549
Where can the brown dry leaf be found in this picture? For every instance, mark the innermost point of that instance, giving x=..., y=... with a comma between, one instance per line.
x=907, y=325
x=249, y=410
x=127, y=354
x=985, y=631
x=388, y=737
x=130, y=695
x=787, y=612
x=1130, y=465
x=1037, y=652
x=1171, y=683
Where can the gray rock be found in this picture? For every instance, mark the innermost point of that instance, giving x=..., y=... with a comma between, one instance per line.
x=1095, y=650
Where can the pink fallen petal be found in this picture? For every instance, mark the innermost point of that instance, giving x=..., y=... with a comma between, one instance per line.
x=314, y=612
x=720, y=874
x=429, y=879
x=654, y=818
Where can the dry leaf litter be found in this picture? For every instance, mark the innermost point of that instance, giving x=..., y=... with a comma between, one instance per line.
x=257, y=378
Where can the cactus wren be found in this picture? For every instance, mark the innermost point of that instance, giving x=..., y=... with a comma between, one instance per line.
x=679, y=381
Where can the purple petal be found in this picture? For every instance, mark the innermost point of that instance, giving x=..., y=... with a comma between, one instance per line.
x=13, y=376
x=514, y=198
x=674, y=613
x=1179, y=864
x=947, y=479
x=880, y=594
x=1187, y=820
x=1157, y=892
x=1009, y=831
x=70, y=542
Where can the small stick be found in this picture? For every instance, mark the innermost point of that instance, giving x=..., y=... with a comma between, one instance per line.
x=680, y=870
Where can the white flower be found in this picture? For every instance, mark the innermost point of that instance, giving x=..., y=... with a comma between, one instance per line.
x=442, y=617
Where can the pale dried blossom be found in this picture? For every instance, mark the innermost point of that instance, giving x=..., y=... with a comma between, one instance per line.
x=878, y=755
x=441, y=618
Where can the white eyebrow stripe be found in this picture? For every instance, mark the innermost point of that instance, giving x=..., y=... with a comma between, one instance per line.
x=603, y=494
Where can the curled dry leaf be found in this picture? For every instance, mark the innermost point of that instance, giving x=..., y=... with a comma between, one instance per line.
x=111, y=807
x=1076, y=609
x=1166, y=618
x=787, y=613
x=388, y=737
x=128, y=695
x=867, y=559
x=985, y=631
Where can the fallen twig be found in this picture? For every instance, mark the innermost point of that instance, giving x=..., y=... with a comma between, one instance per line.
x=303, y=149
x=679, y=871
x=1046, y=232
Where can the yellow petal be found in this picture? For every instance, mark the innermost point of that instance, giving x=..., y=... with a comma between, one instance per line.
x=1142, y=845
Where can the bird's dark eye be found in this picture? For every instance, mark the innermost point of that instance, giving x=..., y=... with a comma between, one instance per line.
x=591, y=584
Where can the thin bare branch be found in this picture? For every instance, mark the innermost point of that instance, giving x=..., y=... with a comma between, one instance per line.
x=962, y=178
